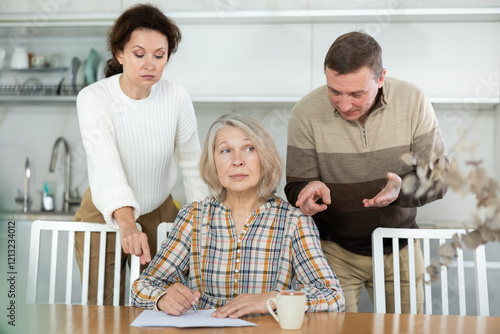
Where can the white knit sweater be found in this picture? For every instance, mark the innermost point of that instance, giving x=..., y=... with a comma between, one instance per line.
x=131, y=146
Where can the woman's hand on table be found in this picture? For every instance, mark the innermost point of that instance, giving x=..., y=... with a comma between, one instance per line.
x=245, y=304
x=178, y=299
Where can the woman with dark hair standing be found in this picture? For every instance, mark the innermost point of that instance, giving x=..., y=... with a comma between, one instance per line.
x=136, y=129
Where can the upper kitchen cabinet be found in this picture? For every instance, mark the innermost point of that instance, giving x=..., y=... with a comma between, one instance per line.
x=226, y=5
x=442, y=58
x=277, y=5
x=294, y=11
x=282, y=43
x=406, y=4
x=44, y=9
x=26, y=19
x=276, y=60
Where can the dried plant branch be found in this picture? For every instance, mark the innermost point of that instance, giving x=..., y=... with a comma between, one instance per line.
x=432, y=176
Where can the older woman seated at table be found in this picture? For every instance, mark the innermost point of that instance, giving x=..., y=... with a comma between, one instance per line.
x=243, y=244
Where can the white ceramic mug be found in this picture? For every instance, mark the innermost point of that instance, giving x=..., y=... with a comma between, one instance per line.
x=291, y=306
x=19, y=58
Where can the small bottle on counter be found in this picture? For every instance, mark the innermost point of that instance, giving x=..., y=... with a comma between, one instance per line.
x=47, y=198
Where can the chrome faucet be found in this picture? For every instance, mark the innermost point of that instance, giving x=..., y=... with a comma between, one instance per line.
x=25, y=198
x=68, y=199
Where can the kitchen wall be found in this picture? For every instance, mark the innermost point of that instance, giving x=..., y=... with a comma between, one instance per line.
x=272, y=59
x=446, y=59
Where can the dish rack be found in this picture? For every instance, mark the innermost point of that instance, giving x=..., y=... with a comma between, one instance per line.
x=39, y=90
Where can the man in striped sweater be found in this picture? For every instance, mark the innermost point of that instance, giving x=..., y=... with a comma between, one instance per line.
x=344, y=167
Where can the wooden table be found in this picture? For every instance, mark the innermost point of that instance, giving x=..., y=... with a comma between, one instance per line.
x=55, y=319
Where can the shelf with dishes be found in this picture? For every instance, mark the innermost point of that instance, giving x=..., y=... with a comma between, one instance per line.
x=88, y=71
x=34, y=70
x=35, y=90
x=46, y=84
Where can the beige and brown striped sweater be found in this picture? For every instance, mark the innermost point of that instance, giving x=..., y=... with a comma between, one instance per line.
x=353, y=161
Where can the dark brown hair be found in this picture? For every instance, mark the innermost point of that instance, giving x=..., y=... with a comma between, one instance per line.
x=352, y=51
x=140, y=16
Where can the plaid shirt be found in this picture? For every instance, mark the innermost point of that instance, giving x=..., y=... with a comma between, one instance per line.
x=277, y=249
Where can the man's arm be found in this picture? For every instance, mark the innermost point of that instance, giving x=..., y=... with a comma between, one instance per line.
x=304, y=187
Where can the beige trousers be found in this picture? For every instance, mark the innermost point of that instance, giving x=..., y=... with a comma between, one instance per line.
x=355, y=271
x=167, y=212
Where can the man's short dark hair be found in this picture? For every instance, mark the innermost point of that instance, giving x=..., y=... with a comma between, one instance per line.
x=352, y=51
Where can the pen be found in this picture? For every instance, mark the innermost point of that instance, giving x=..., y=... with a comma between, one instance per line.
x=183, y=280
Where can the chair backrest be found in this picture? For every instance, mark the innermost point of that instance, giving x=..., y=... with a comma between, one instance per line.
x=426, y=236
x=70, y=228
x=162, y=233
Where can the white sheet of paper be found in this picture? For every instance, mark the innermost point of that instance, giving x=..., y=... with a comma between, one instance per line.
x=152, y=318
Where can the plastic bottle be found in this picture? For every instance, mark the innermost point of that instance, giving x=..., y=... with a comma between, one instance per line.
x=47, y=199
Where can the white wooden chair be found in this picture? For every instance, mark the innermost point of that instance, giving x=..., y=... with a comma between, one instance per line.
x=426, y=236
x=162, y=233
x=70, y=228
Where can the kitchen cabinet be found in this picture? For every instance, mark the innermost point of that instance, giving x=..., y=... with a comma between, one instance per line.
x=37, y=10
x=226, y=5
x=283, y=48
x=266, y=12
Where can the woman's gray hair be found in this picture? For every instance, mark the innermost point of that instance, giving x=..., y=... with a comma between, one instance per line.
x=270, y=160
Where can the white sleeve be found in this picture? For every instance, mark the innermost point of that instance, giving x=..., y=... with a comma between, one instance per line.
x=107, y=180
x=188, y=151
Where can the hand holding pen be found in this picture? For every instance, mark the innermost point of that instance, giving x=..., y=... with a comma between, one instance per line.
x=183, y=280
x=178, y=298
